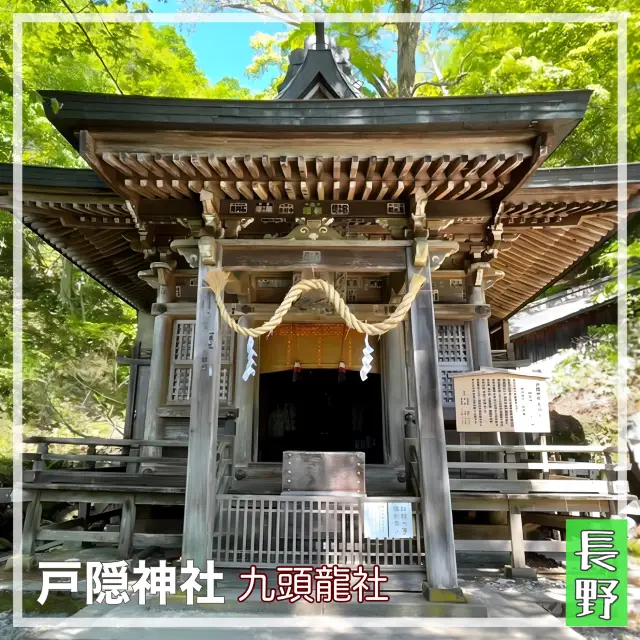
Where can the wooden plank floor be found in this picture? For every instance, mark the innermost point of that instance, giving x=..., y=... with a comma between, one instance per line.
x=265, y=478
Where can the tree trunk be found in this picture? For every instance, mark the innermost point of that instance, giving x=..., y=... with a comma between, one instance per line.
x=408, y=33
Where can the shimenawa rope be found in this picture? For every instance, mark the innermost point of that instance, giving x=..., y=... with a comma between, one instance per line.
x=217, y=280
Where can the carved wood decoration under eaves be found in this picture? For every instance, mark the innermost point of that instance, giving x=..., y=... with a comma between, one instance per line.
x=552, y=214
x=305, y=177
x=94, y=230
x=535, y=257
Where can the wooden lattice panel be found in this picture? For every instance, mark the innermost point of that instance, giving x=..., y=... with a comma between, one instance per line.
x=226, y=347
x=453, y=357
x=272, y=531
x=180, y=390
x=452, y=343
x=446, y=386
x=225, y=384
x=183, y=340
x=182, y=349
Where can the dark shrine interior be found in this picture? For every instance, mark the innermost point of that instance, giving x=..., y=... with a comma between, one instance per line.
x=319, y=412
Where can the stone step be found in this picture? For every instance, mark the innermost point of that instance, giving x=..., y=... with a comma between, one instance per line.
x=400, y=605
x=407, y=615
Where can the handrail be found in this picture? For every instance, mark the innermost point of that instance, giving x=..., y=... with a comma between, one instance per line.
x=528, y=469
x=81, y=457
x=113, y=442
x=130, y=454
x=106, y=442
x=532, y=448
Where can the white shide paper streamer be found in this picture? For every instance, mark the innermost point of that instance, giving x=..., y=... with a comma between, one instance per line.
x=367, y=359
x=251, y=360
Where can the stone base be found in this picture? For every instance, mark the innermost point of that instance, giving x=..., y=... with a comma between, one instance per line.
x=449, y=596
x=28, y=563
x=526, y=573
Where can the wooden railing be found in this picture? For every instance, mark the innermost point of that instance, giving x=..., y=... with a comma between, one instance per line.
x=273, y=530
x=129, y=452
x=513, y=469
x=94, y=478
x=127, y=458
x=543, y=464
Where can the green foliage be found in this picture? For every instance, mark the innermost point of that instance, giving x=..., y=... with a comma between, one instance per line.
x=71, y=383
x=585, y=380
x=532, y=57
x=370, y=45
x=73, y=328
x=102, y=57
x=592, y=364
x=59, y=604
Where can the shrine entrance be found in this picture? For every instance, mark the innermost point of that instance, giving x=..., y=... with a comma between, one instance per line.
x=318, y=408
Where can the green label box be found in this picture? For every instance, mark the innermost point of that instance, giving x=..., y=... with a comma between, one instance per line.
x=597, y=573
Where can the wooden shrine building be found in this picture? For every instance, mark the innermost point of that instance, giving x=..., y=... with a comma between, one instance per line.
x=318, y=185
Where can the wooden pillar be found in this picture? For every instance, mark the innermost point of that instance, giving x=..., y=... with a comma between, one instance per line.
x=440, y=555
x=508, y=345
x=517, y=537
x=518, y=567
x=480, y=336
x=243, y=398
x=160, y=357
x=127, y=527
x=200, y=498
x=158, y=375
x=395, y=386
x=31, y=525
x=481, y=350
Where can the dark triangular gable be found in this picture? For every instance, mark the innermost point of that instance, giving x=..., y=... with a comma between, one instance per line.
x=318, y=72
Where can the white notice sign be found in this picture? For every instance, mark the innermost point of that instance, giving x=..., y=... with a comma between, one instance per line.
x=400, y=523
x=376, y=520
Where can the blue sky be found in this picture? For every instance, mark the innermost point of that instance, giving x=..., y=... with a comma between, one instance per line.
x=222, y=49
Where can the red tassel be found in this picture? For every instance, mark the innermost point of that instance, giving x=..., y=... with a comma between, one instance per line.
x=297, y=370
x=342, y=372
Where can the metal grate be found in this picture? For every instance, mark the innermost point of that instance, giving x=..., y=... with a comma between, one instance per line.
x=453, y=357
x=271, y=531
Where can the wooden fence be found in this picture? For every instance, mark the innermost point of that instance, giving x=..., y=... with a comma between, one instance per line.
x=270, y=531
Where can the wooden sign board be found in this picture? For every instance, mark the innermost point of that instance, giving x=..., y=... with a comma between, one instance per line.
x=500, y=400
x=339, y=473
